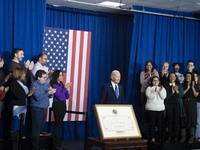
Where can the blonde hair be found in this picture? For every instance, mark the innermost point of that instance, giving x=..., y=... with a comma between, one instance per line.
x=17, y=73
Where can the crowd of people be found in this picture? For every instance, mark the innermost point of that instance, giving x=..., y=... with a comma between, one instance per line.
x=27, y=89
x=170, y=103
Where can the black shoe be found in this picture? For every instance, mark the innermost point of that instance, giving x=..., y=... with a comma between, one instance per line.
x=168, y=140
x=160, y=141
x=44, y=133
x=175, y=140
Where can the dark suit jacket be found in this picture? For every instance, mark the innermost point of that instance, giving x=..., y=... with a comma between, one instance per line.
x=16, y=94
x=107, y=95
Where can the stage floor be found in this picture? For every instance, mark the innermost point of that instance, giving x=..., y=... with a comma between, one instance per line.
x=79, y=145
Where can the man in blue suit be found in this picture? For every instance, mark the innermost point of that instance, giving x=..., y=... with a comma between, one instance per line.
x=112, y=92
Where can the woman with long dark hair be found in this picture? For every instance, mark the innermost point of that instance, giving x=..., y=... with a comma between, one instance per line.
x=190, y=93
x=59, y=105
x=197, y=81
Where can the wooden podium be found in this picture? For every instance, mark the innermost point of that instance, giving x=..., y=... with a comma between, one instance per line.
x=115, y=144
x=118, y=128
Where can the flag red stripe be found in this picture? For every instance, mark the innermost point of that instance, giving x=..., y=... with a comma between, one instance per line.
x=80, y=74
x=87, y=74
x=64, y=77
x=52, y=116
x=72, y=70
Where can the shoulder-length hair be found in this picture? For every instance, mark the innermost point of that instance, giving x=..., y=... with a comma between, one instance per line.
x=151, y=80
x=177, y=81
x=17, y=73
x=192, y=76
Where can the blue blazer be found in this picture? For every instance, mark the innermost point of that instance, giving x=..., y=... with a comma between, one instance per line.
x=107, y=95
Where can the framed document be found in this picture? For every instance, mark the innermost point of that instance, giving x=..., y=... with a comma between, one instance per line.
x=117, y=121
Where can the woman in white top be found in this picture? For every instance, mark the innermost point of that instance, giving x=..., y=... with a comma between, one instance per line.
x=155, y=107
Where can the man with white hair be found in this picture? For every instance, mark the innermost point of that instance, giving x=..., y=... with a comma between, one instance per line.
x=112, y=92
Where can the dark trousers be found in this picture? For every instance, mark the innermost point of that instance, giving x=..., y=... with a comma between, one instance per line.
x=173, y=117
x=59, y=109
x=7, y=114
x=155, y=119
x=38, y=121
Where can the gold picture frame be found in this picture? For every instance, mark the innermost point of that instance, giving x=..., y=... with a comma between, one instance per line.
x=116, y=121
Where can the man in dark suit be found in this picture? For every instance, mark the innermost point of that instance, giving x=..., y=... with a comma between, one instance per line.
x=112, y=92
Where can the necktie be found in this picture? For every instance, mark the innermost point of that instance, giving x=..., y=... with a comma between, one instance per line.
x=116, y=91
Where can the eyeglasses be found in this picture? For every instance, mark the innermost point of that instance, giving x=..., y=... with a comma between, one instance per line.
x=44, y=77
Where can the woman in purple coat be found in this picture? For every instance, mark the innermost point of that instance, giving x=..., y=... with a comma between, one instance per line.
x=59, y=105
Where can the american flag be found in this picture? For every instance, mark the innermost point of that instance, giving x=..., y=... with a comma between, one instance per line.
x=69, y=51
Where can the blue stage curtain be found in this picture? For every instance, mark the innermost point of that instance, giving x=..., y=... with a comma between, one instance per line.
x=160, y=39
x=6, y=29
x=110, y=47
x=22, y=25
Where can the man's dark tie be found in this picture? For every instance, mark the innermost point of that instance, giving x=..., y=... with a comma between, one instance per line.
x=116, y=91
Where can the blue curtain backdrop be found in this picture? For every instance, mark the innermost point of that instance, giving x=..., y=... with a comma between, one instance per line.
x=118, y=42
x=110, y=47
x=6, y=28
x=160, y=39
x=21, y=25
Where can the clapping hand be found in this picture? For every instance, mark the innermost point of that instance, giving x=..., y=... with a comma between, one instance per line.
x=29, y=64
x=50, y=73
x=158, y=88
x=6, y=89
x=31, y=91
x=154, y=73
x=67, y=86
x=52, y=90
x=193, y=84
x=2, y=88
x=8, y=77
x=175, y=89
x=188, y=85
x=147, y=74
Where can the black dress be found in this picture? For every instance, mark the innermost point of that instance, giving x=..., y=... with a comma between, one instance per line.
x=190, y=105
